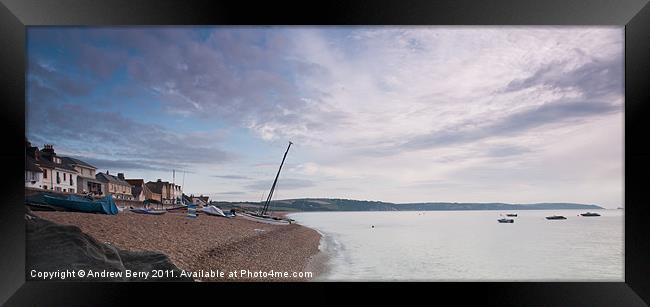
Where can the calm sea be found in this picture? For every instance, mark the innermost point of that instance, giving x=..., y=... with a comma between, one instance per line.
x=469, y=245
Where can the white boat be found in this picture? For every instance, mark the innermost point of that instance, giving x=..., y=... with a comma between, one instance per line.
x=212, y=210
x=265, y=219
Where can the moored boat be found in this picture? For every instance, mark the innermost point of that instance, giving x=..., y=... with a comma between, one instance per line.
x=512, y=214
x=504, y=220
x=556, y=217
x=590, y=214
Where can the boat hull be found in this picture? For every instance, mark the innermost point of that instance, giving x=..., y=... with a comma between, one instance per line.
x=104, y=205
x=147, y=211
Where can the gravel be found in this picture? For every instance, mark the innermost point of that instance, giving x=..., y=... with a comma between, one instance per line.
x=205, y=243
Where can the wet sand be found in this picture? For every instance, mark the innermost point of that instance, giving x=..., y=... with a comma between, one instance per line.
x=205, y=243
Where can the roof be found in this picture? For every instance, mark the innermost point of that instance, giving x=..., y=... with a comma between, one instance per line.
x=136, y=182
x=73, y=161
x=30, y=165
x=103, y=177
x=155, y=186
x=44, y=162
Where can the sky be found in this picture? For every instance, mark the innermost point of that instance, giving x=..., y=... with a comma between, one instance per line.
x=398, y=114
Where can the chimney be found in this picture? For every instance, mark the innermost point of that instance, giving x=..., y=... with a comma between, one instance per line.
x=107, y=172
x=48, y=148
x=120, y=175
x=159, y=180
x=48, y=152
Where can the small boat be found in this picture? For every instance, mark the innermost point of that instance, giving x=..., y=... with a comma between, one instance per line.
x=590, y=214
x=148, y=211
x=213, y=210
x=104, y=205
x=512, y=214
x=265, y=218
x=504, y=220
x=556, y=217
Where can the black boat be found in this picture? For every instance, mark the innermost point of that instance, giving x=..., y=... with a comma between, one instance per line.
x=504, y=220
x=512, y=214
x=590, y=214
x=556, y=217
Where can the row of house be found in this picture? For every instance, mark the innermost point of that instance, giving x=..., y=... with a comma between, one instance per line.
x=46, y=170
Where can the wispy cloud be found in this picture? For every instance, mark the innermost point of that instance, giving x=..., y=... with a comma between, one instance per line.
x=235, y=177
x=285, y=184
x=374, y=112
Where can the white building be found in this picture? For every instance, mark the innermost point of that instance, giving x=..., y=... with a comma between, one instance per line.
x=86, y=180
x=55, y=174
x=33, y=174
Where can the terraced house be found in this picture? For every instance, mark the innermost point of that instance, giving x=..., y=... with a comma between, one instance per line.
x=141, y=192
x=55, y=173
x=86, y=181
x=115, y=185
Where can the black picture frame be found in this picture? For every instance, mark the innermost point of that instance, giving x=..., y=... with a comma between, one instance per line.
x=16, y=15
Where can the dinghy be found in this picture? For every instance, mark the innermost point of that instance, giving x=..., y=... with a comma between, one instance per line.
x=213, y=210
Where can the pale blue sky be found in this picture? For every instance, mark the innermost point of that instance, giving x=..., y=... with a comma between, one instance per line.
x=401, y=114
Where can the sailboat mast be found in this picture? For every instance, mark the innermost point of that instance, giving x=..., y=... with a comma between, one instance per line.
x=268, y=199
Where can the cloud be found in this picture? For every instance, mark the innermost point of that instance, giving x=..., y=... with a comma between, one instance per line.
x=231, y=193
x=118, y=165
x=283, y=184
x=596, y=78
x=520, y=122
x=369, y=108
x=236, y=177
x=118, y=141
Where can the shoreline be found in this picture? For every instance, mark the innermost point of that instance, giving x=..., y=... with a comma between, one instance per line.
x=205, y=243
x=319, y=262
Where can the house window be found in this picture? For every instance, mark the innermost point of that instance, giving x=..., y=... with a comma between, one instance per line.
x=64, y=177
x=45, y=187
x=45, y=174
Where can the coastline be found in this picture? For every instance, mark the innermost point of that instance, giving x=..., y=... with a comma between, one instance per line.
x=205, y=243
x=319, y=262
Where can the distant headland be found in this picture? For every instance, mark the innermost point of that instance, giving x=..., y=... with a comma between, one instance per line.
x=327, y=204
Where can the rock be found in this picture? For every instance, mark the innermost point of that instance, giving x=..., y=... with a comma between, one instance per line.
x=51, y=247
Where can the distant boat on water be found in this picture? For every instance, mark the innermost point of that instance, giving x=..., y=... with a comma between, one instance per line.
x=512, y=214
x=590, y=214
x=556, y=217
x=505, y=220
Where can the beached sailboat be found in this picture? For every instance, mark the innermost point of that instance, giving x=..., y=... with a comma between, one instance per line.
x=263, y=215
